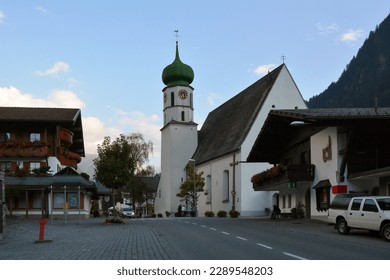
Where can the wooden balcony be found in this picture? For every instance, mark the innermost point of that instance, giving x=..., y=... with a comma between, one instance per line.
x=282, y=175
x=66, y=135
x=69, y=158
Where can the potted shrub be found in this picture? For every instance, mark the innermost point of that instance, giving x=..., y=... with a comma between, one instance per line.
x=222, y=214
x=209, y=214
x=234, y=213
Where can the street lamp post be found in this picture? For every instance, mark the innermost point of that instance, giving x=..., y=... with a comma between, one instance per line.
x=192, y=161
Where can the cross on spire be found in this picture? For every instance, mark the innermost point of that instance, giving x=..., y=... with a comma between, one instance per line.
x=177, y=35
x=283, y=57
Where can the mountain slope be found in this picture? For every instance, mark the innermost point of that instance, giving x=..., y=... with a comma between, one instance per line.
x=365, y=78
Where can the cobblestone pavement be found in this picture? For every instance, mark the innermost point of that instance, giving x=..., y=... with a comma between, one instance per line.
x=91, y=239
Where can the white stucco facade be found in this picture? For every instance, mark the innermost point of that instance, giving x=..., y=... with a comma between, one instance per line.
x=284, y=94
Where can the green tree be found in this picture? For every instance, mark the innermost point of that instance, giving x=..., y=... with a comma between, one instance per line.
x=119, y=161
x=191, y=187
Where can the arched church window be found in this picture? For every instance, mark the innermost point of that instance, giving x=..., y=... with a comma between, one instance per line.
x=208, y=189
x=182, y=116
x=172, y=99
x=225, y=186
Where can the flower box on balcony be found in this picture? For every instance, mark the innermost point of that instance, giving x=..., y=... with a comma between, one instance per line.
x=69, y=158
x=26, y=149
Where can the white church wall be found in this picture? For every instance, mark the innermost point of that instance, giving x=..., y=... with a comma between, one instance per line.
x=221, y=198
x=284, y=95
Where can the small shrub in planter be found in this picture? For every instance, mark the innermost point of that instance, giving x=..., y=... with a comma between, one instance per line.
x=234, y=214
x=298, y=212
x=209, y=214
x=114, y=220
x=167, y=213
x=159, y=215
x=154, y=215
x=222, y=214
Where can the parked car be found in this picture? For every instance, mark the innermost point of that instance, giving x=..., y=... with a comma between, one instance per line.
x=127, y=212
x=372, y=213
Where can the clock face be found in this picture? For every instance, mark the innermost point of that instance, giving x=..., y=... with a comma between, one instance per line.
x=183, y=94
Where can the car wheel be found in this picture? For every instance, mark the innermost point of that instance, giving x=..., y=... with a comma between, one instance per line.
x=385, y=232
x=342, y=227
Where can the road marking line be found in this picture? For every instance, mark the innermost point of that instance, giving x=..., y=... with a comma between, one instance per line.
x=203, y=226
x=224, y=232
x=242, y=238
x=294, y=256
x=213, y=228
x=265, y=246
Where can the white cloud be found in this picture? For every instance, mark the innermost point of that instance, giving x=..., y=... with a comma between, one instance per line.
x=351, y=35
x=327, y=29
x=11, y=96
x=212, y=98
x=57, y=68
x=66, y=99
x=2, y=17
x=264, y=69
x=94, y=129
x=148, y=126
x=42, y=10
x=94, y=133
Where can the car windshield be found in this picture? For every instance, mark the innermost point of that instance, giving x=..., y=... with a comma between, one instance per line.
x=384, y=203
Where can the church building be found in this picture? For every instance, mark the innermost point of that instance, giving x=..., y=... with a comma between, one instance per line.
x=221, y=147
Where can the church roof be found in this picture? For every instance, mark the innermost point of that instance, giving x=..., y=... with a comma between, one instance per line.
x=226, y=127
x=177, y=73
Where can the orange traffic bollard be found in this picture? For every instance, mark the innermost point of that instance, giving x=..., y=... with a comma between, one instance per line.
x=42, y=224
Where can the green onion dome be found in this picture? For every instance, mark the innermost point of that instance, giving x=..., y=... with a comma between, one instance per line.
x=177, y=73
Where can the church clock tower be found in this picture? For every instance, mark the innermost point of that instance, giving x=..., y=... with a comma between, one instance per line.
x=179, y=136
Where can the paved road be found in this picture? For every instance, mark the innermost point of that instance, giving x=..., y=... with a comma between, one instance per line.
x=189, y=239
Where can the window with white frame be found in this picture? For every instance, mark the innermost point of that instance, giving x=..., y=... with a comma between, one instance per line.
x=225, y=186
x=58, y=200
x=6, y=166
x=35, y=137
x=5, y=136
x=34, y=165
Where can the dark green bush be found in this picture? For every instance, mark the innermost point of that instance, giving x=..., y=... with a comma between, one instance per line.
x=209, y=214
x=222, y=214
x=234, y=214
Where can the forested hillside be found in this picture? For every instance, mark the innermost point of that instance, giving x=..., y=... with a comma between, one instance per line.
x=365, y=78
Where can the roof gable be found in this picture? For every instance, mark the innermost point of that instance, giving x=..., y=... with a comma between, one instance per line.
x=227, y=126
x=26, y=114
x=65, y=117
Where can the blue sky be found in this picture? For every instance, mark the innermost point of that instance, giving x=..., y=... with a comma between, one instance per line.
x=106, y=57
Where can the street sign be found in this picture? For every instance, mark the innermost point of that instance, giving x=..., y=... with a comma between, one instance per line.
x=292, y=185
